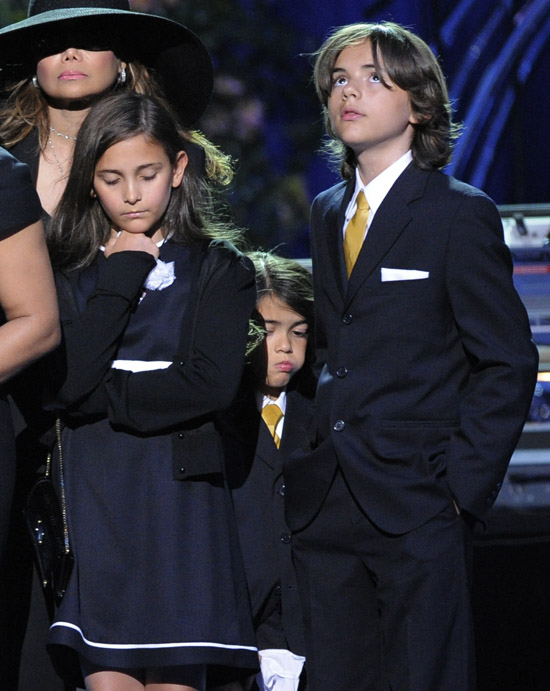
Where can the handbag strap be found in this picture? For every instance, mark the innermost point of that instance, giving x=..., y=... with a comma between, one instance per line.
x=61, y=483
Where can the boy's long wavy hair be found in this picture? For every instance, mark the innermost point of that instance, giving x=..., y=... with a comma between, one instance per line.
x=80, y=226
x=410, y=64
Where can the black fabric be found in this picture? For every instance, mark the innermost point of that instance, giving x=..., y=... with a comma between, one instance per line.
x=371, y=618
x=167, y=550
x=255, y=473
x=19, y=205
x=428, y=377
x=18, y=209
x=416, y=371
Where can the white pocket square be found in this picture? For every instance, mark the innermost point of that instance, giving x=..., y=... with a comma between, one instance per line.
x=402, y=274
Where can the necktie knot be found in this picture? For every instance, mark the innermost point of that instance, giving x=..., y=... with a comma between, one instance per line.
x=355, y=232
x=362, y=203
x=271, y=415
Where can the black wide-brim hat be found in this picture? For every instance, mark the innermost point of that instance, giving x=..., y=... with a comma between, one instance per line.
x=177, y=55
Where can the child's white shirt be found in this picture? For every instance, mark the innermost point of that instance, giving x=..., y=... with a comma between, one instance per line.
x=376, y=190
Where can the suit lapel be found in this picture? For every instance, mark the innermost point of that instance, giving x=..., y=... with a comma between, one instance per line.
x=298, y=413
x=333, y=224
x=390, y=221
x=266, y=451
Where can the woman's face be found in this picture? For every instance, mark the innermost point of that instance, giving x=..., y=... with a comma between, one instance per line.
x=77, y=74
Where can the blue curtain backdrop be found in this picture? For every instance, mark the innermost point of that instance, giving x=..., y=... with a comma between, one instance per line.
x=494, y=53
x=496, y=56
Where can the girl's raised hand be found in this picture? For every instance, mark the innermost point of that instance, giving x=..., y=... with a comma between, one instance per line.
x=124, y=241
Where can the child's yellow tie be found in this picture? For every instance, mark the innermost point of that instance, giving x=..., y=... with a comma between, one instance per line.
x=271, y=414
x=355, y=232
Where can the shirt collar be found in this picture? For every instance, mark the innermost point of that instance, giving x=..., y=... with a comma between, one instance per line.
x=265, y=400
x=377, y=188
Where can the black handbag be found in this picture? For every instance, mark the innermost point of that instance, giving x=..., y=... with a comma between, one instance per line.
x=46, y=518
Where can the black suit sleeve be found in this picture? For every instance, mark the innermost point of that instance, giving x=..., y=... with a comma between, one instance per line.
x=204, y=380
x=495, y=335
x=317, y=223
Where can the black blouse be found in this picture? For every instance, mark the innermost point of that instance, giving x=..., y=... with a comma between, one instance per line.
x=19, y=203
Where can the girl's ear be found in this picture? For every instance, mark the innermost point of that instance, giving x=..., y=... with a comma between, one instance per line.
x=93, y=194
x=179, y=167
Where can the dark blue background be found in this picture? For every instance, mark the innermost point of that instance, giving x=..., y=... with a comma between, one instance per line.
x=496, y=57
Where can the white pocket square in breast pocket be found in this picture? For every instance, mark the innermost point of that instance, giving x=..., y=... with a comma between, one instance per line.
x=403, y=274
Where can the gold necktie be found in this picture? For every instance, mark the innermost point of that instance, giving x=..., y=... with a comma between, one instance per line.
x=271, y=414
x=355, y=232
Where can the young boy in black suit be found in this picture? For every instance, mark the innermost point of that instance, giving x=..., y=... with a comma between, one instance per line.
x=268, y=421
x=428, y=374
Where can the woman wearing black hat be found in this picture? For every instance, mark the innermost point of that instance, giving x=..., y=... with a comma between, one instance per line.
x=69, y=53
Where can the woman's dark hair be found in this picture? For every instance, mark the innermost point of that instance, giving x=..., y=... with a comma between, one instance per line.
x=291, y=282
x=80, y=226
x=411, y=65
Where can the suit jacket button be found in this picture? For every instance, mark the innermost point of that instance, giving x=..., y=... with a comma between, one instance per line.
x=341, y=372
x=339, y=425
x=285, y=537
x=180, y=435
x=182, y=470
x=281, y=490
x=347, y=318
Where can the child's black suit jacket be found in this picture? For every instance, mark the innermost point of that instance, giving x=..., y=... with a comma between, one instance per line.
x=255, y=471
x=430, y=367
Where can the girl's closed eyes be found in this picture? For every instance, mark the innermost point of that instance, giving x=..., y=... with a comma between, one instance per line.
x=133, y=191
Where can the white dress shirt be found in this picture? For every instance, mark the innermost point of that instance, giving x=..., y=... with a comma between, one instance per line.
x=376, y=190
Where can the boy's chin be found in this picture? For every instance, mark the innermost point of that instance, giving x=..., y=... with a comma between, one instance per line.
x=274, y=390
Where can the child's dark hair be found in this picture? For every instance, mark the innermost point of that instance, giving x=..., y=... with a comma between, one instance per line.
x=410, y=64
x=80, y=226
x=291, y=282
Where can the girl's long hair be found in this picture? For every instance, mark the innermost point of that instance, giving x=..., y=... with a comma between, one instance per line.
x=79, y=226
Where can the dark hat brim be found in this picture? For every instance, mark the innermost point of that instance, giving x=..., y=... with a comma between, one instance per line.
x=177, y=55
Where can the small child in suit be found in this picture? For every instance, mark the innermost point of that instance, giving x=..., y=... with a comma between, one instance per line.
x=278, y=379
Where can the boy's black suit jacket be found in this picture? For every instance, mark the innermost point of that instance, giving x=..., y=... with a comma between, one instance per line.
x=255, y=474
x=428, y=376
